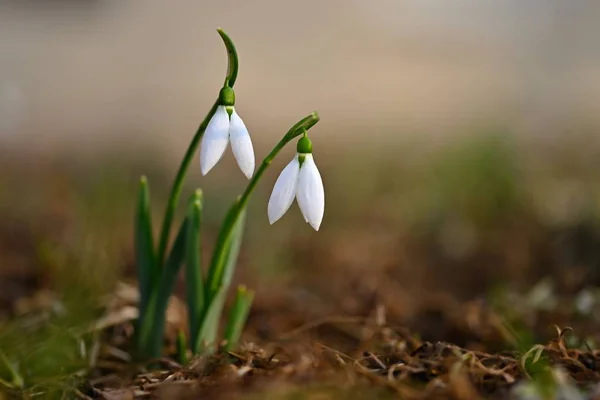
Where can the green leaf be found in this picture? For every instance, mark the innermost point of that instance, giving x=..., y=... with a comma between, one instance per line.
x=153, y=324
x=206, y=339
x=194, y=284
x=205, y=342
x=146, y=266
x=237, y=317
x=181, y=348
x=226, y=251
x=235, y=243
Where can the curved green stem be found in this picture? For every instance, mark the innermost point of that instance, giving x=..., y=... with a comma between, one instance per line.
x=233, y=63
x=230, y=78
x=216, y=270
x=178, y=185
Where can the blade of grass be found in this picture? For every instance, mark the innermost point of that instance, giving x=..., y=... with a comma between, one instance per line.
x=194, y=284
x=146, y=267
x=237, y=317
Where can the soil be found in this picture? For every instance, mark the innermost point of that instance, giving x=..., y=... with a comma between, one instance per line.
x=388, y=315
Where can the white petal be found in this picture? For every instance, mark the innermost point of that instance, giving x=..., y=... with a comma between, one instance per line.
x=215, y=140
x=284, y=191
x=311, y=195
x=241, y=144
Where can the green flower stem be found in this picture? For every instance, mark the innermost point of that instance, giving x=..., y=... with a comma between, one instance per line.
x=178, y=185
x=231, y=76
x=232, y=57
x=217, y=266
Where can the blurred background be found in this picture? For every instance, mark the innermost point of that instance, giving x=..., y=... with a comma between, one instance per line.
x=459, y=146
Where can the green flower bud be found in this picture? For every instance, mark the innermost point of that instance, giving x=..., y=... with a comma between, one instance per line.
x=304, y=145
x=226, y=96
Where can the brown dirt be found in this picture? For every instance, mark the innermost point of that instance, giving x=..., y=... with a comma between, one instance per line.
x=389, y=314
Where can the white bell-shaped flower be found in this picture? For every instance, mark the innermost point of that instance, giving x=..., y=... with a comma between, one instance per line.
x=226, y=126
x=301, y=180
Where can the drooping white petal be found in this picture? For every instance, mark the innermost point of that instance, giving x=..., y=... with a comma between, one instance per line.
x=215, y=140
x=241, y=144
x=284, y=191
x=310, y=192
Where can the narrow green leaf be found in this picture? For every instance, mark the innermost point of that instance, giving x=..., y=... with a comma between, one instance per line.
x=153, y=324
x=181, y=348
x=210, y=324
x=205, y=342
x=194, y=284
x=237, y=317
x=146, y=267
x=226, y=251
x=233, y=251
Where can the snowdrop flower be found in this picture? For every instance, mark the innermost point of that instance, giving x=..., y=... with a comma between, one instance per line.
x=300, y=179
x=225, y=126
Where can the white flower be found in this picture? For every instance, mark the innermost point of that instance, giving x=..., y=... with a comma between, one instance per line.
x=303, y=182
x=220, y=130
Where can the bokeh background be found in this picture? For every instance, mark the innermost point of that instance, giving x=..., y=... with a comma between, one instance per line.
x=459, y=145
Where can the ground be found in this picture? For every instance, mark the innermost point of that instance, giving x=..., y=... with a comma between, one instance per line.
x=452, y=280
